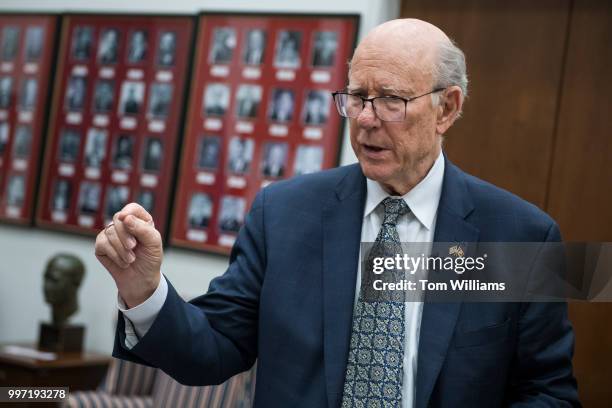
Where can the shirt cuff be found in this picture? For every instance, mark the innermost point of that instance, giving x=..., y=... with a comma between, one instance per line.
x=143, y=315
x=131, y=339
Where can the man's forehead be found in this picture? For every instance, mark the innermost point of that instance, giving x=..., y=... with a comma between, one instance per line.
x=384, y=80
x=391, y=68
x=386, y=86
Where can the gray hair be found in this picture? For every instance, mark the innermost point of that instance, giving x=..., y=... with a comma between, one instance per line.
x=449, y=69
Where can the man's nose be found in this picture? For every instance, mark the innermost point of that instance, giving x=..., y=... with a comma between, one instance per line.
x=367, y=118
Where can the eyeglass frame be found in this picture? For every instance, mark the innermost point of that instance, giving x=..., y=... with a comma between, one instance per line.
x=371, y=100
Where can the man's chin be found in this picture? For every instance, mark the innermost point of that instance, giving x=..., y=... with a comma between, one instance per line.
x=375, y=172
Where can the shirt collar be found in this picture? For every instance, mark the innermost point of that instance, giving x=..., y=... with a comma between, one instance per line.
x=422, y=200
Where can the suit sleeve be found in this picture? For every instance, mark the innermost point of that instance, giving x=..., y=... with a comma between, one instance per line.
x=213, y=337
x=542, y=371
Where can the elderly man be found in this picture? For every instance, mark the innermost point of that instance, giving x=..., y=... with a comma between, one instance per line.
x=291, y=298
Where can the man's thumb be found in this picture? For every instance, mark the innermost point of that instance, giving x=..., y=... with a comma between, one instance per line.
x=144, y=231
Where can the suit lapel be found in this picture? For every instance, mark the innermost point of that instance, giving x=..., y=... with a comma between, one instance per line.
x=439, y=319
x=342, y=220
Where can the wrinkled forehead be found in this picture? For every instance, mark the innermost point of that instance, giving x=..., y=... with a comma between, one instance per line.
x=405, y=64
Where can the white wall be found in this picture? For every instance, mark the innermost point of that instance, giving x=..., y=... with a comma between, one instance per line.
x=24, y=251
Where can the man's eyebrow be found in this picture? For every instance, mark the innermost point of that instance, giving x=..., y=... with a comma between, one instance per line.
x=381, y=89
x=354, y=88
x=396, y=91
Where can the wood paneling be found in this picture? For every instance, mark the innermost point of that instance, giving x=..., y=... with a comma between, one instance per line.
x=580, y=192
x=580, y=188
x=514, y=52
x=593, y=352
x=538, y=123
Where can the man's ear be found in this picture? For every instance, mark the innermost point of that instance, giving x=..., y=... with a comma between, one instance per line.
x=449, y=108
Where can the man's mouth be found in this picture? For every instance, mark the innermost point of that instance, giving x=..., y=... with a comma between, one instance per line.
x=372, y=149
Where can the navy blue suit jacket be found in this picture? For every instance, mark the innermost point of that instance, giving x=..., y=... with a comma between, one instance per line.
x=286, y=300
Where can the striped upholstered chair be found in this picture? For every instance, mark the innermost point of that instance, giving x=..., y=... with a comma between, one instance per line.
x=136, y=386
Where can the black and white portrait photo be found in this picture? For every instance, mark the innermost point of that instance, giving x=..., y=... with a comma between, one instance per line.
x=15, y=190
x=222, y=45
x=274, y=159
x=5, y=129
x=200, y=210
x=132, y=97
x=75, y=93
x=254, y=47
x=248, y=99
x=108, y=46
x=138, y=44
x=104, y=95
x=116, y=198
x=123, y=152
x=95, y=147
x=62, y=193
x=146, y=198
x=153, y=155
x=316, y=107
x=282, y=105
x=325, y=47
x=10, y=43
x=209, y=153
x=82, y=41
x=308, y=159
x=240, y=155
x=23, y=141
x=29, y=89
x=166, y=48
x=216, y=99
x=232, y=213
x=6, y=92
x=89, y=198
x=287, y=53
x=69, y=145
x=160, y=97
x=33, y=43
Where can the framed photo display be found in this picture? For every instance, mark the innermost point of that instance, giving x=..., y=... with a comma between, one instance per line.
x=260, y=110
x=115, y=119
x=27, y=45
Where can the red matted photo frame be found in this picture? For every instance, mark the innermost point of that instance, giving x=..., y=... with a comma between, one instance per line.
x=27, y=51
x=115, y=119
x=260, y=110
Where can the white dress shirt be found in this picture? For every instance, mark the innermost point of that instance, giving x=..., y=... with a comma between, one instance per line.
x=417, y=226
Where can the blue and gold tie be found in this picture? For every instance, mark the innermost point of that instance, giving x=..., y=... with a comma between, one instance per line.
x=374, y=370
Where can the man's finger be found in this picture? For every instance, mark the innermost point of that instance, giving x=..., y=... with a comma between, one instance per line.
x=136, y=210
x=104, y=250
x=144, y=232
x=113, y=241
x=127, y=239
x=108, y=263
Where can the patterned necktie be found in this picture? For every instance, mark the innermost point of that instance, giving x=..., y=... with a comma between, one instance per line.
x=374, y=370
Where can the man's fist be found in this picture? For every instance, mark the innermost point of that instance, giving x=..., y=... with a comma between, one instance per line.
x=130, y=248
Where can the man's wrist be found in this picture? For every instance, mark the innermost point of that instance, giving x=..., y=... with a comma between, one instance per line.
x=135, y=298
x=143, y=315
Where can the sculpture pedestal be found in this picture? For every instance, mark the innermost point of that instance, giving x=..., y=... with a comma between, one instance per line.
x=61, y=338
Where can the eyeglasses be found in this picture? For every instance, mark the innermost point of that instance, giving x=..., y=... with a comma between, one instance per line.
x=386, y=108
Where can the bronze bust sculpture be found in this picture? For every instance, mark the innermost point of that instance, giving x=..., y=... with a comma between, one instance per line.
x=62, y=279
x=63, y=276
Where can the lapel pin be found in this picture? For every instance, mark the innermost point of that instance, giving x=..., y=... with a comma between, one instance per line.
x=456, y=250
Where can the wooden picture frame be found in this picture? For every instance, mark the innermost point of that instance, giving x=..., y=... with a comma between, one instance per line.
x=260, y=110
x=116, y=118
x=27, y=54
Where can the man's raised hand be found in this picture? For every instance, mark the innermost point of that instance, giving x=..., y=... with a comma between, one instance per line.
x=130, y=248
